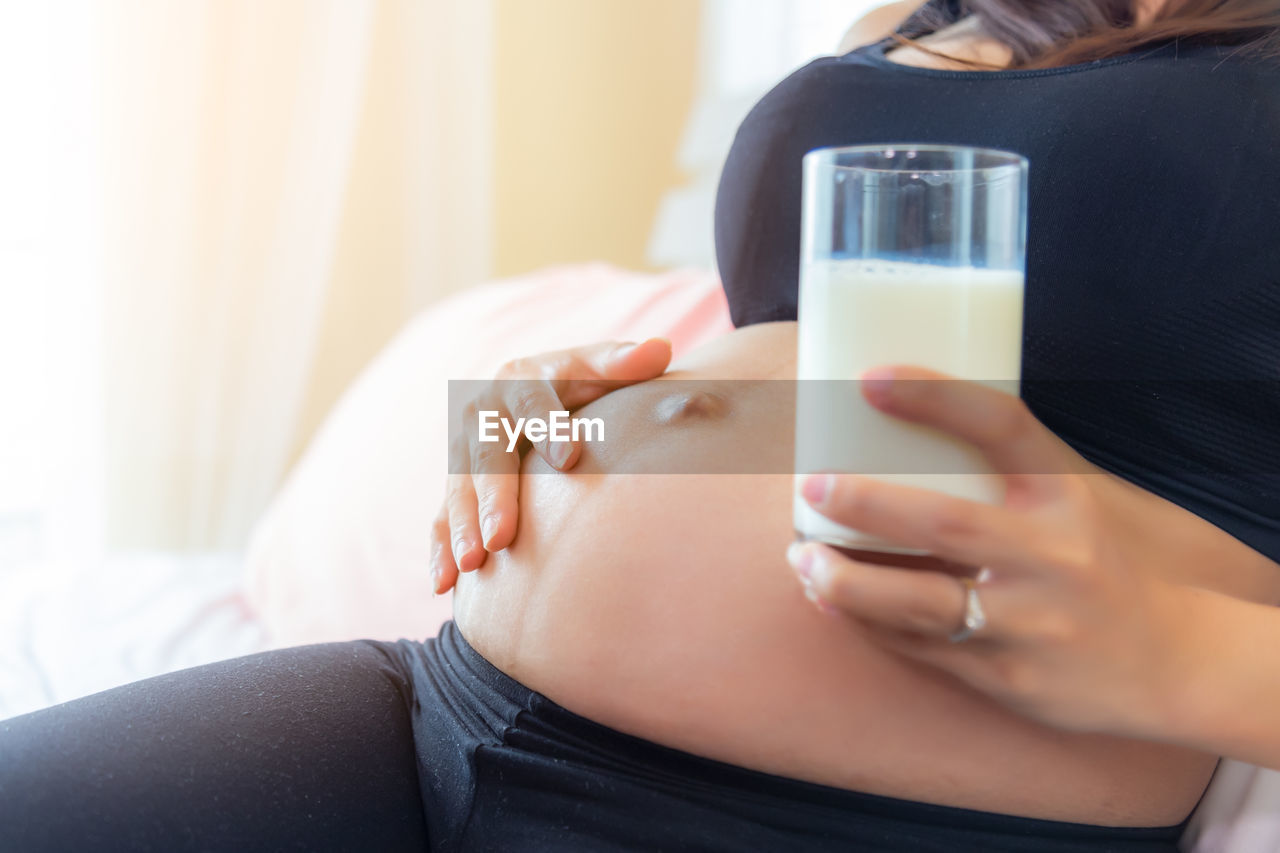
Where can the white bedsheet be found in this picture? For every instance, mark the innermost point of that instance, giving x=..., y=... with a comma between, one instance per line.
x=66, y=633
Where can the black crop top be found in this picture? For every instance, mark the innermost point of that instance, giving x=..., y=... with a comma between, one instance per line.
x=1152, y=325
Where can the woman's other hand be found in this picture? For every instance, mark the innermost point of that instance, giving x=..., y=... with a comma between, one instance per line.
x=481, y=503
x=1092, y=594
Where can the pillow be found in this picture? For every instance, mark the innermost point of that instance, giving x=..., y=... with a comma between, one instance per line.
x=342, y=551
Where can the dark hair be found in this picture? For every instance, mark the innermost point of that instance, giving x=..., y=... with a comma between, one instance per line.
x=1046, y=33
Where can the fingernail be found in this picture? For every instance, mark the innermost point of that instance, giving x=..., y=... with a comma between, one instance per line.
x=559, y=453
x=818, y=601
x=818, y=573
x=801, y=560
x=435, y=577
x=488, y=528
x=877, y=384
x=460, y=549
x=622, y=351
x=817, y=488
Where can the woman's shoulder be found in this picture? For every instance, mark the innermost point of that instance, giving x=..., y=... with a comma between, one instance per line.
x=877, y=24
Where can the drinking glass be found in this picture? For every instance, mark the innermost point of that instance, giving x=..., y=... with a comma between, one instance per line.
x=911, y=255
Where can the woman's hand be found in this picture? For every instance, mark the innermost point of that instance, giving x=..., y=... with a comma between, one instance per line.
x=480, y=508
x=1087, y=617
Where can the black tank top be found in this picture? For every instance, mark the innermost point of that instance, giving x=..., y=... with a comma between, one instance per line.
x=1152, y=325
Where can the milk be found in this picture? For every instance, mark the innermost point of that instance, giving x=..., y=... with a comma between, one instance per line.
x=858, y=314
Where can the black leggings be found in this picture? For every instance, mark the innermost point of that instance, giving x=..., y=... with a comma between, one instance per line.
x=426, y=746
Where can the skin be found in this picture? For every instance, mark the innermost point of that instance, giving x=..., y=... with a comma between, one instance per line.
x=479, y=513
x=661, y=605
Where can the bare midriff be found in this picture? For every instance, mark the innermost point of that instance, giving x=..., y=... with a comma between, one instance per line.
x=661, y=605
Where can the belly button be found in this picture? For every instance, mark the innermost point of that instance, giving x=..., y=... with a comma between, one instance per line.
x=686, y=405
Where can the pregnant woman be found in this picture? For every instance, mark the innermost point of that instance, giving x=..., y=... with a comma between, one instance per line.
x=640, y=668
x=659, y=604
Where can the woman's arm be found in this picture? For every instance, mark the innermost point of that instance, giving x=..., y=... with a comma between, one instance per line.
x=1107, y=609
x=1229, y=696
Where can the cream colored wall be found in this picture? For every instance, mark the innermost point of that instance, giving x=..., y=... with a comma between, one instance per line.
x=590, y=100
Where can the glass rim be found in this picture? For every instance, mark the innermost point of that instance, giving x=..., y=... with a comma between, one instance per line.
x=1004, y=159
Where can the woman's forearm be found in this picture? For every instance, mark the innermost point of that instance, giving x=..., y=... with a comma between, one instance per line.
x=1228, y=700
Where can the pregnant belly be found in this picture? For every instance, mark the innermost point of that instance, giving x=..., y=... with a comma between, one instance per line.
x=661, y=605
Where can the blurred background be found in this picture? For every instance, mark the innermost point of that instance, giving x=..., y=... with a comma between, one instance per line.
x=215, y=213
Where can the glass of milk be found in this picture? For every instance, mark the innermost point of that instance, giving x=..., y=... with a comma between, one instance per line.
x=915, y=255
